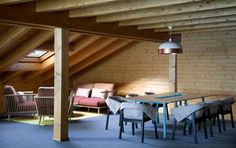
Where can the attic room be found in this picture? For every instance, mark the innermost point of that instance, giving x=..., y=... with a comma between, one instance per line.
x=63, y=45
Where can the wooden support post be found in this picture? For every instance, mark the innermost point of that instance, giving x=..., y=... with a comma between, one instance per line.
x=173, y=73
x=2, y=107
x=60, y=129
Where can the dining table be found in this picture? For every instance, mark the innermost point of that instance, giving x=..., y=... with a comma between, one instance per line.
x=166, y=98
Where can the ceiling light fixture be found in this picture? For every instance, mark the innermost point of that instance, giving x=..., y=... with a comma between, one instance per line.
x=170, y=47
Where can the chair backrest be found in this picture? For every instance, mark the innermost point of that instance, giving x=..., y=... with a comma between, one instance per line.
x=226, y=103
x=46, y=91
x=213, y=107
x=114, y=102
x=185, y=112
x=135, y=110
x=11, y=98
x=45, y=101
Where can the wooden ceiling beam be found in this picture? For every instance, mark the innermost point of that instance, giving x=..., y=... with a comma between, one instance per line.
x=180, y=17
x=8, y=2
x=10, y=75
x=189, y=22
x=47, y=65
x=59, y=5
x=91, y=49
x=25, y=67
x=24, y=49
x=121, y=6
x=202, y=26
x=215, y=29
x=86, y=52
x=118, y=45
x=170, y=10
x=25, y=14
x=10, y=35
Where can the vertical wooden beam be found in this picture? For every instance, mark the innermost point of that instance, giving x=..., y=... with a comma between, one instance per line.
x=2, y=107
x=173, y=73
x=60, y=129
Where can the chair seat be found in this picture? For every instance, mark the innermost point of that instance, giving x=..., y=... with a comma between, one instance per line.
x=94, y=102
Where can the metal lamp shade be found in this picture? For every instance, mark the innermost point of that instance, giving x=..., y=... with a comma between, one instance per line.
x=170, y=47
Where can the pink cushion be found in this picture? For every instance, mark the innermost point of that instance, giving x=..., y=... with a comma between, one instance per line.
x=78, y=98
x=94, y=102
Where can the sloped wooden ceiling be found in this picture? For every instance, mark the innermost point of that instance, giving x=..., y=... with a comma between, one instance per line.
x=98, y=28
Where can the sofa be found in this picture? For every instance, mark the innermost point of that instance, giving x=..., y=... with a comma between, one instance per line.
x=92, y=95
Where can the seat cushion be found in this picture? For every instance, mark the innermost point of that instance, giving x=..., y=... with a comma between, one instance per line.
x=93, y=102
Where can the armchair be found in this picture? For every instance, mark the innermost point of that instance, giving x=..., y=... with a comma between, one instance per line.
x=18, y=103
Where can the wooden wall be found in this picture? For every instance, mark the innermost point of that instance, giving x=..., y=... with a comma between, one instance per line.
x=208, y=64
x=134, y=70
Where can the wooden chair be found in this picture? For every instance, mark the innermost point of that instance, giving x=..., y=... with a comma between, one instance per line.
x=136, y=114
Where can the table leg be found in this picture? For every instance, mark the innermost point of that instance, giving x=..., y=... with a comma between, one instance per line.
x=203, y=99
x=157, y=114
x=186, y=103
x=164, y=120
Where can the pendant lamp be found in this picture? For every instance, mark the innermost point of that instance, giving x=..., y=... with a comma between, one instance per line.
x=170, y=47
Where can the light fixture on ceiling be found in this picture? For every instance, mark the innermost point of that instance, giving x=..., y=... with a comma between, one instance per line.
x=170, y=47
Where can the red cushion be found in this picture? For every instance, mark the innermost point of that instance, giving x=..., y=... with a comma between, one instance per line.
x=95, y=102
x=78, y=98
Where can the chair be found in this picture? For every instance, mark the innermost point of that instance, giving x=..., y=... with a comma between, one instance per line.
x=226, y=108
x=137, y=113
x=213, y=110
x=18, y=103
x=113, y=103
x=190, y=115
x=45, y=102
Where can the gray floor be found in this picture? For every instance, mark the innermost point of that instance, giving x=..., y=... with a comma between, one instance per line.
x=90, y=132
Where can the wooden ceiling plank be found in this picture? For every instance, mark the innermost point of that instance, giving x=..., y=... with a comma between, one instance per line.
x=189, y=22
x=24, y=49
x=10, y=35
x=175, y=9
x=47, y=65
x=118, y=45
x=121, y=6
x=8, y=2
x=25, y=14
x=10, y=75
x=25, y=67
x=59, y=5
x=85, y=41
x=86, y=52
x=91, y=49
x=180, y=17
x=215, y=29
x=202, y=26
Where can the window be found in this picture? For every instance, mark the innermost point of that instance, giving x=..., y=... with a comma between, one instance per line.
x=37, y=56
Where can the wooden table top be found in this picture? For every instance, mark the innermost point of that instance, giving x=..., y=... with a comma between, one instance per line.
x=168, y=97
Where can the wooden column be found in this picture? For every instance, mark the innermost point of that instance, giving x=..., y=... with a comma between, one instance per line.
x=173, y=73
x=2, y=107
x=61, y=47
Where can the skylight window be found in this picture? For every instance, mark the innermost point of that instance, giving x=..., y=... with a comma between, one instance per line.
x=36, y=54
